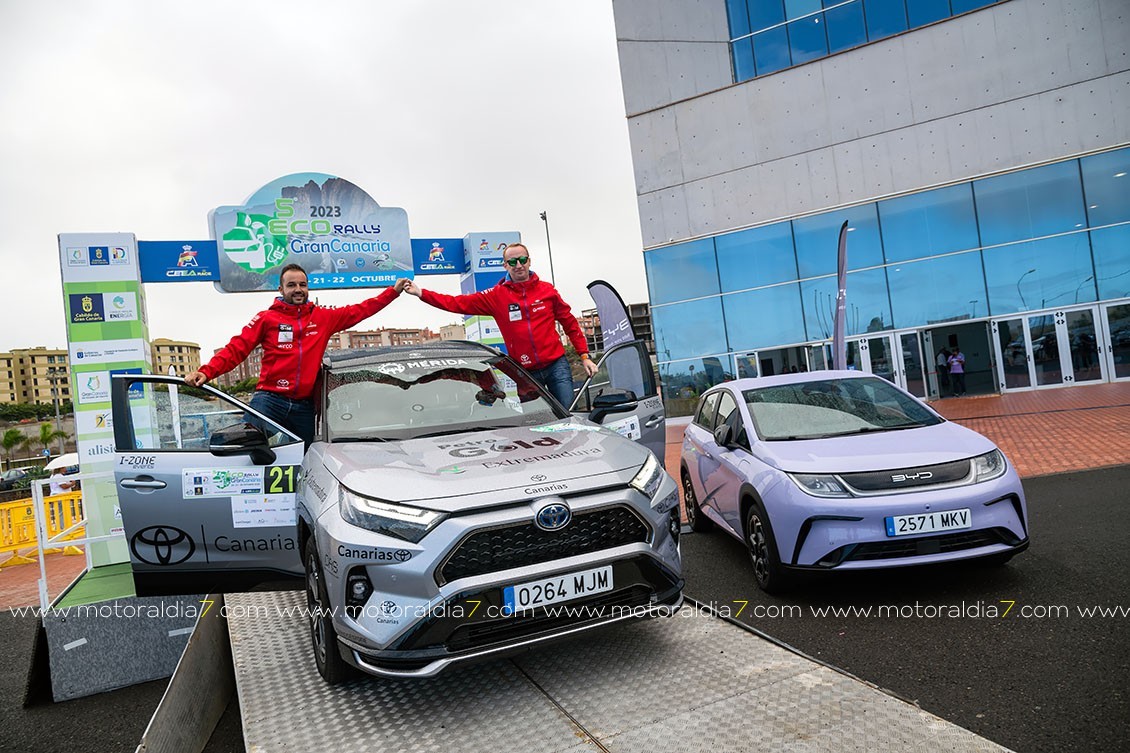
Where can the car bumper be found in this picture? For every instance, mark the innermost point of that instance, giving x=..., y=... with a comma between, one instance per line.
x=849, y=534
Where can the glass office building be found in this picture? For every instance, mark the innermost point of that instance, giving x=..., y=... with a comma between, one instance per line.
x=988, y=209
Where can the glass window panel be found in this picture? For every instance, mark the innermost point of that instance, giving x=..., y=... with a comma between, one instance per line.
x=884, y=17
x=961, y=6
x=739, y=18
x=928, y=223
x=771, y=50
x=807, y=40
x=743, y=60
x=798, y=8
x=1106, y=185
x=922, y=12
x=1029, y=203
x=687, y=270
x=1014, y=352
x=686, y=330
x=817, y=240
x=761, y=318
x=868, y=309
x=1112, y=261
x=845, y=27
x=765, y=13
x=757, y=257
x=685, y=381
x=1037, y=275
x=937, y=290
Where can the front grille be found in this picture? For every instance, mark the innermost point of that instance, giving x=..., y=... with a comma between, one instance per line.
x=520, y=626
x=523, y=544
x=915, y=547
x=900, y=479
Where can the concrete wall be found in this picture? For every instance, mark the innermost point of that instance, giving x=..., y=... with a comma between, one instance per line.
x=1023, y=82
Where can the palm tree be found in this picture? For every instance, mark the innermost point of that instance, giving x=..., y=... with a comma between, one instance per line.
x=47, y=435
x=12, y=438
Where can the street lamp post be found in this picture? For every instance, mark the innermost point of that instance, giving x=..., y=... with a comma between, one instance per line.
x=55, y=375
x=548, y=248
x=1023, y=303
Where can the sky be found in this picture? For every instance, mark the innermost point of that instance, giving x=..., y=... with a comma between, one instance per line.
x=140, y=116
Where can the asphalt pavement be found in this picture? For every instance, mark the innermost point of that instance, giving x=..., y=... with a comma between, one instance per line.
x=1037, y=677
x=1006, y=652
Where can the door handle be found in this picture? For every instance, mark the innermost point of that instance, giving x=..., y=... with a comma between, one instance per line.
x=652, y=422
x=142, y=482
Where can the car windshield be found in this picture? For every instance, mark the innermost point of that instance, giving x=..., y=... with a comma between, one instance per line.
x=405, y=399
x=833, y=408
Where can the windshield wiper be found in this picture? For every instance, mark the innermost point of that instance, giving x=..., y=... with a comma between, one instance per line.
x=344, y=440
x=445, y=432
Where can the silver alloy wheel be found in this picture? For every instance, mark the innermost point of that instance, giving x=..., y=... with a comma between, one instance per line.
x=314, y=606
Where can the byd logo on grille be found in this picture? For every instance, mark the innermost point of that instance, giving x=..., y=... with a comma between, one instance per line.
x=900, y=477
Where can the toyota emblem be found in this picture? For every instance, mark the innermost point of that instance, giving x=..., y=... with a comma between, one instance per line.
x=162, y=545
x=553, y=517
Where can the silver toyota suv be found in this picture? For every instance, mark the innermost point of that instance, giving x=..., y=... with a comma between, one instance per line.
x=450, y=510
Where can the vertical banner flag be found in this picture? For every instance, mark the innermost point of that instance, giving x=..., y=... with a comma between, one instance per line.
x=615, y=324
x=839, y=343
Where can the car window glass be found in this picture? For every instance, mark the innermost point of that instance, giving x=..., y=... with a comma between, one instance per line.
x=705, y=416
x=622, y=369
x=403, y=399
x=727, y=407
x=833, y=407
x=168, y=416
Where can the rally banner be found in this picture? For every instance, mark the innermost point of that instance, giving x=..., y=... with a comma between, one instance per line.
x=339, y=234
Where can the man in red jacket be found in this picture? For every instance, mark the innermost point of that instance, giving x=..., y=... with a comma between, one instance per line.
x=294, y=334
x=525, y=309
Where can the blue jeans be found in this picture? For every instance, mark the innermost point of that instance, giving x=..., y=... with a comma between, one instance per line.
x=557, y=377
x=295, y=415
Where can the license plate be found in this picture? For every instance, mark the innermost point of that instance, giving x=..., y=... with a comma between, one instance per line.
x=929, y=522
x=539, y=593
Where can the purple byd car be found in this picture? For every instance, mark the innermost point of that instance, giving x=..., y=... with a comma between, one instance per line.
x=839, y=470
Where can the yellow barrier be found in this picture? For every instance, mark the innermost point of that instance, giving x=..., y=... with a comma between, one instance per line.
x=17, y=524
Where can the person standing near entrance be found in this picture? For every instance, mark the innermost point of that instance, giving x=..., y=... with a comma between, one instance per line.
x=956, y=363
x=294, y=334
x=526, y=310
x=943, y=363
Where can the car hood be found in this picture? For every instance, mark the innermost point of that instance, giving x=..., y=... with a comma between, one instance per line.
x=904, y=448
x=439, y=470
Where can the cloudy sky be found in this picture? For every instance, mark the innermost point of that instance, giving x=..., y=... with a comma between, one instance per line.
x=141, y=116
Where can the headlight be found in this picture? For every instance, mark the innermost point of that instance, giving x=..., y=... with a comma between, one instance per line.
x=989, y=466
x=820, y=485
x=407, y=523
x=649, y=478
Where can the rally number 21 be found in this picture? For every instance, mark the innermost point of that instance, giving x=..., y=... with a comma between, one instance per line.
x=281, y=478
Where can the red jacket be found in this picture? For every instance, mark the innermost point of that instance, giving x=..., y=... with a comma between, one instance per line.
x=525, y=313
x=294, y=338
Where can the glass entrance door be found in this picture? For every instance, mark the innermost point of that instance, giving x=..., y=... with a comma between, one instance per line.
x=911, y=376
x=875, y=355
x=1054, y=349
x=1115, y=346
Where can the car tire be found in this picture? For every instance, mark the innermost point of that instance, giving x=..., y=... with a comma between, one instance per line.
x=767, y=570
x=323, y=636
x=695, y=519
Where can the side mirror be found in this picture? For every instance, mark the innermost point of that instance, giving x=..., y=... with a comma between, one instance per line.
x=724, y=436
x=242, y=439
x=612, y=401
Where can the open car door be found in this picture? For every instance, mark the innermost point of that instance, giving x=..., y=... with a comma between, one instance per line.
x=207, y=500
x=624, y=395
